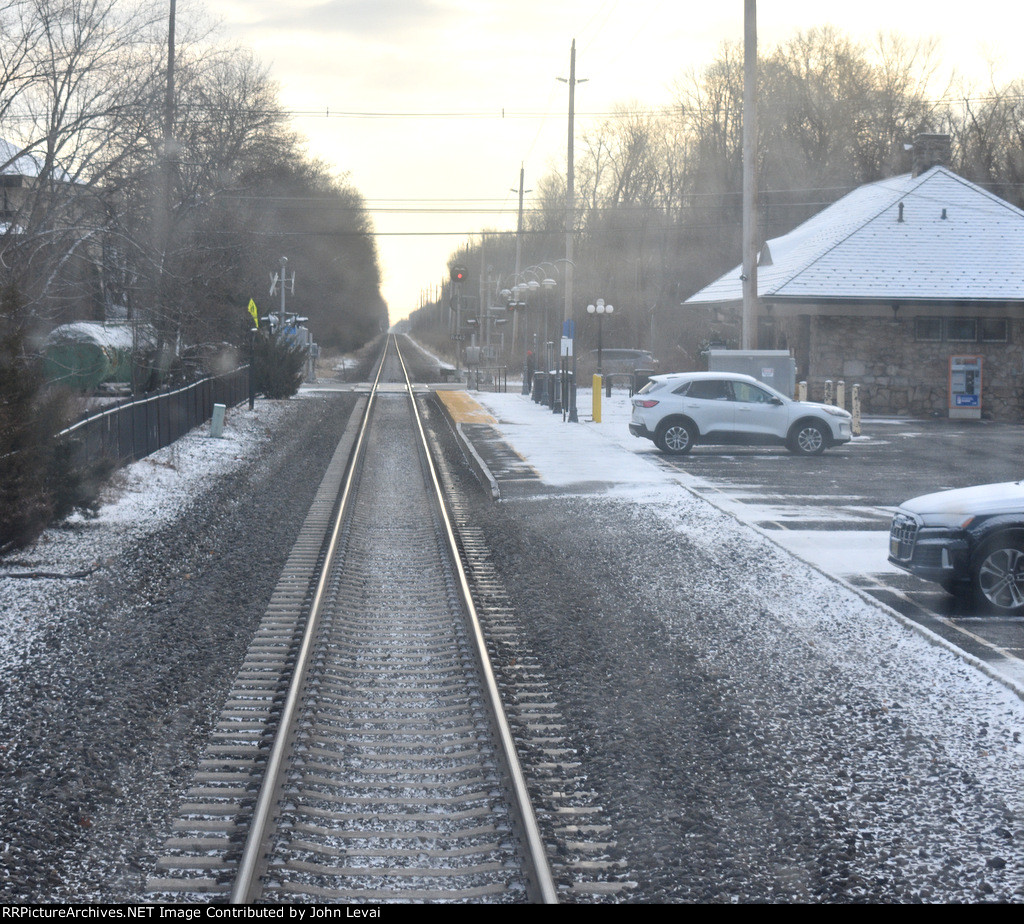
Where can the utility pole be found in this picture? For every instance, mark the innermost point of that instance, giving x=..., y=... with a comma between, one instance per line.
x=519, y=264
x=749, y=277
x=285, y=284
x=159, y=310
x=570, y=222
x=484, y=314
x=521, y=308
x=519, y=224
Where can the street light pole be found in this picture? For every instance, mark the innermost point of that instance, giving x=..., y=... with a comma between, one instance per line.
x=548, y=284
x=600, y=309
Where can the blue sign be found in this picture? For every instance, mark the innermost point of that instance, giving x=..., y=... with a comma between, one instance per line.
x=569, y=329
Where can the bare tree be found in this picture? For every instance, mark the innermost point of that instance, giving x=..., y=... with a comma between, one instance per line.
x=66, y=89
x=987, y=132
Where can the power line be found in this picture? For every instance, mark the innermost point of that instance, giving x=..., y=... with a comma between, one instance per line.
x=625, y=112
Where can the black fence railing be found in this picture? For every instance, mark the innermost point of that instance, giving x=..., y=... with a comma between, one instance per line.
x=132, y=429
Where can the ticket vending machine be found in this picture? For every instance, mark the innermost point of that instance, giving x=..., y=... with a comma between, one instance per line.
x=965, y=387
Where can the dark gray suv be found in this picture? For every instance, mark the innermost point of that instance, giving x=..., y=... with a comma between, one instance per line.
x=971, y=541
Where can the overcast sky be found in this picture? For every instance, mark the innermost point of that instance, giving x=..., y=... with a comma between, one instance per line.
x=416, y=89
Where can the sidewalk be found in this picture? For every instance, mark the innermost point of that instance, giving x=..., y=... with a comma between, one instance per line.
x=558, y=452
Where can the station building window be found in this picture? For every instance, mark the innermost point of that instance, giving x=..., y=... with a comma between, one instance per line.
x=962, y=330
x=927, y=328
x=993, y=330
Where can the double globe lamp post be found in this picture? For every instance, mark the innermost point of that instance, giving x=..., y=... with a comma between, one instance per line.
x=600, y=309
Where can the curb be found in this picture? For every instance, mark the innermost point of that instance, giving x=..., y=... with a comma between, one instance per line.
x=924, y=632
x=480, y=469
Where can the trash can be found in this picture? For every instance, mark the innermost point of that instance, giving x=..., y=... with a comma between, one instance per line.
x=640, y=378
x=538, y=386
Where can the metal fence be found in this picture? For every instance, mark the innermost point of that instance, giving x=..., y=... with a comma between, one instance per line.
x=132, y=429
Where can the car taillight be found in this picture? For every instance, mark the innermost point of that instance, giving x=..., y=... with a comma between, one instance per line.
x=647, y=402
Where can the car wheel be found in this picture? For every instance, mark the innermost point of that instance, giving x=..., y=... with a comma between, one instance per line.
x=676, y=438
x=808, y=439
x=998, y=575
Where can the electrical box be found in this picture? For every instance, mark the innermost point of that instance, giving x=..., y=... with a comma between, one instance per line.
x=773, y=367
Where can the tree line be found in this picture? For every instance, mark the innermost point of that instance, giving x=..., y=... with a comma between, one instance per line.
x=174, y=209
x=659, y=189
x=161, y=190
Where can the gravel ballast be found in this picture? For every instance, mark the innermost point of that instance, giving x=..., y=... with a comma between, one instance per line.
x=753, y=731
x=110, y=683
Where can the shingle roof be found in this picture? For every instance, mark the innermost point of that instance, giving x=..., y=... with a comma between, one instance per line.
x=858, y=249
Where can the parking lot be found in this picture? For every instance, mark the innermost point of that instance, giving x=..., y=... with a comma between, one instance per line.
x=833, y=510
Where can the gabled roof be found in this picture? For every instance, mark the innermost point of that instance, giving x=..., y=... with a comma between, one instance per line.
x=857, y=248
x=13, y=162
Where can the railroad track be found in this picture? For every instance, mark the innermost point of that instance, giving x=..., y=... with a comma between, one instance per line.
x=364, y=754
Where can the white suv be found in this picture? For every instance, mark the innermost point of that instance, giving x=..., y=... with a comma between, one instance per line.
x=681, y=409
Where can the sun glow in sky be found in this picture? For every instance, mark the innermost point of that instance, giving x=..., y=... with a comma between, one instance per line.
x=431, y=106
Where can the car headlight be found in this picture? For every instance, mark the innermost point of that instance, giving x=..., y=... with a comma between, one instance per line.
x=948, y=520
x=836, y=411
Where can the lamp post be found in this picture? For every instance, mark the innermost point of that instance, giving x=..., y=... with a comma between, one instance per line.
x=600, y=309
x=521, y=304
x=538, y=278
x=548, y=284
x=555, y=386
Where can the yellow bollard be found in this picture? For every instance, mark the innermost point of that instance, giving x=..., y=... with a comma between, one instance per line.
x=597, y=399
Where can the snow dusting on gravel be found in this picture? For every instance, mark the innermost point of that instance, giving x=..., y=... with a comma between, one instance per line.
x=948, y=695
x=140, y=499
x=859, y=725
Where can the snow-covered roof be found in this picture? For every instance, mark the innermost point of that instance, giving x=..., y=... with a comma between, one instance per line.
x=118, y=336
x=956, y=242
x=15, y=163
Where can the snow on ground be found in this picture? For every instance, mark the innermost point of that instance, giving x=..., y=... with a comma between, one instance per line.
x=139, y=500
x=792, y=610
x=794, y=603
x=568, y=454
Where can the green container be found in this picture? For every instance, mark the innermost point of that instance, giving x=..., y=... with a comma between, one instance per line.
x=86, y=354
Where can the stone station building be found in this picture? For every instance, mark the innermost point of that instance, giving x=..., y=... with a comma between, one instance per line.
x=911, y=287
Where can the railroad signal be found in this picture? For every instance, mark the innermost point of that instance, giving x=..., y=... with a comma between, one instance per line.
x=458, y=273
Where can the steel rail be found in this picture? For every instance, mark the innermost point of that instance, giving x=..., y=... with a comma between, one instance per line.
x=541, y=887
x=244, y=887
x=539, y=871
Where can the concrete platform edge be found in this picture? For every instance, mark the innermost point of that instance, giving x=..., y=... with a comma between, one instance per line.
x=478, y=465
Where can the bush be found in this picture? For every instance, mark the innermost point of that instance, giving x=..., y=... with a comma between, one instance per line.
x=280, y=365
x=42, y=478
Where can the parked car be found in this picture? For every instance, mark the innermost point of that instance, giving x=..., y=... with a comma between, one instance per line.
x=679, y=410
x=971, y=541
x=616, y=360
